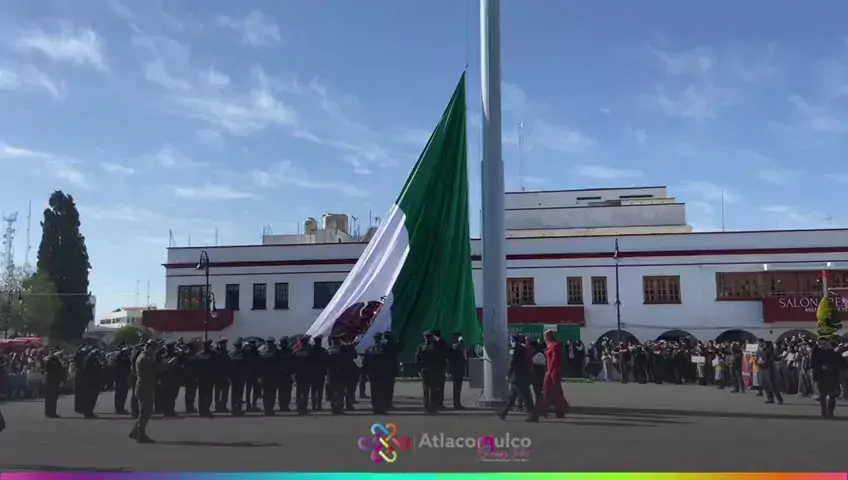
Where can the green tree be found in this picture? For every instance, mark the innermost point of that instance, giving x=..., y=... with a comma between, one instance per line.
x=11, y=292
x=131, y=335
x=828, y=318
x=63, y=258
x=40, y=305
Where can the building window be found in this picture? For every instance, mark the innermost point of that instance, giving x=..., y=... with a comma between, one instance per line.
x=191, y=297
x=753, y=286
x=660, y=290
x=281, y=296
x=323, y=292
x=599, y=291
x=231, y=300
x=574, y=290
x=260, y=296
x=520, y=291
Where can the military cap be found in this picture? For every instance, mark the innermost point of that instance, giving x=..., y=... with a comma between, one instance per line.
x=239, y=340
x=284, y=339
x=270, y=340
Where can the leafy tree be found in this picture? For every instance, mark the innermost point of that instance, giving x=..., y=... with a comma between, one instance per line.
x=40, y=305
x=11, y=291
x=131, y=335
x=63, y=258
x=828, y=318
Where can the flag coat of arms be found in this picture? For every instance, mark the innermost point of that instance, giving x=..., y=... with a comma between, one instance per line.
x=415, y=273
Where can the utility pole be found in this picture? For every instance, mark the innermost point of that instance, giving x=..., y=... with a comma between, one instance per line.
x=617, y=257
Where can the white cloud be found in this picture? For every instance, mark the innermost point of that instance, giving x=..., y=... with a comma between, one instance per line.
x=358, y=166
x=558, y=139
x=694, y=102
x=71, y=44
x=284, y=173
x=256, y=29
x=9, y=152
x=67, y=170
x=600, y=172
x=710, y=192
x=699, y=61
x=156, y=72
x=121, y=213
x=28, y=77
x=59, y=166
x=513, y=98
x=214, y=192
x=415, y=137
x=117, y=169
x=214, y=78
x=210, y=137
x=169, y=157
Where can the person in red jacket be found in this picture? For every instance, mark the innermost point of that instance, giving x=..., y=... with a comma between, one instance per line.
x=552, y=386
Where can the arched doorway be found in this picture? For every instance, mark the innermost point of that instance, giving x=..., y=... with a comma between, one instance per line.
x=677, y=336
x=803, y=334
x=741, y=336
x=612, y=337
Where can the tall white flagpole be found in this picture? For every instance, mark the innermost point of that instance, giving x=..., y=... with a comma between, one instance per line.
x=496, y=363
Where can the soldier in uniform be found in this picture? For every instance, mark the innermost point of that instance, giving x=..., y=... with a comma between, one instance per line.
x=79, y=379
x=134, y=407
x=189, y=377
x=302, y=376
x=237, y=376
x=429, y=361
x=456, y=366
x=318, y=358
x=270, y=375
x=252, y=390
x=123, y=368
x=54, y=376
x=336, y=364
x=91, y=382
x=393, y=350
x=826, y=365
x=443, y=347
x=146, y=367
x=205, y=369
x=374, y=365
x=351, y=376
x=286, y=374
x=222, y=377
x=520, y=376
x=169, y=380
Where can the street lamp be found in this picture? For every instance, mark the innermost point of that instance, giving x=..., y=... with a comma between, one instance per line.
x=617, y=257
x=208, y=296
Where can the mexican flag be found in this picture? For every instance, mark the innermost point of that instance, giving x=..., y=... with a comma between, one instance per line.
x=415, y=273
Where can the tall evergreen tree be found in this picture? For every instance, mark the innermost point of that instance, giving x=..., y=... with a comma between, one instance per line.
x=63, y=258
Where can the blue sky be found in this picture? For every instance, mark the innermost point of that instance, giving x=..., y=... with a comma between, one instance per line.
x=202, y=115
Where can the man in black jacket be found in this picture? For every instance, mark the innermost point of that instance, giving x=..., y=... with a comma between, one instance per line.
x=520, y=376
x=826, y=364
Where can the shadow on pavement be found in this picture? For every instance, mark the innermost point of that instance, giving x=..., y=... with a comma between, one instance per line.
x=198, y=443
x=650, y=412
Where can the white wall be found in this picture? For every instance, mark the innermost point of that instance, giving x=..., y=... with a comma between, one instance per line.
x=569, y=198
x=596, y=216
x=699, y=313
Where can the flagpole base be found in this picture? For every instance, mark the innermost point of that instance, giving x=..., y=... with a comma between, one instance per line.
x=485, y=402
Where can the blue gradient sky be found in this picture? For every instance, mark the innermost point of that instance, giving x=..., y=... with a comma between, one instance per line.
x=202, y=115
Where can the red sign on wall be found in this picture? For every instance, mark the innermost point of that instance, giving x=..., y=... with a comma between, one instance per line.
x=796, y=309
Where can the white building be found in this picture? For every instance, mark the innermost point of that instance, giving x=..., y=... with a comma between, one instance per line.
x=561, y=271
x=122, y=317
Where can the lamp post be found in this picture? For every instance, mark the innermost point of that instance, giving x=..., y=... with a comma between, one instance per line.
x=616, y=256
x=209, y=309
x=824, y=276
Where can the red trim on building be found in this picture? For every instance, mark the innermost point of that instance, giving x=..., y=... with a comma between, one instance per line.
x=548, y=315
x=795, y=309
x=186, y=320
x=542, y=256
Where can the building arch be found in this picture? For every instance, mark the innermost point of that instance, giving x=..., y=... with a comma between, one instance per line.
x=741, y=336
x=806, y=334
x=613, y=336
x=677, y=335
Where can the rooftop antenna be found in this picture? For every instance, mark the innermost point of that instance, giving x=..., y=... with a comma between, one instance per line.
x=521, y=156
x=829, y=220
x=148, y=294
x=722, y=211
x=8, y=260
x=171, y=242
x=28, y=234
x=137, y=288
x=353, y=231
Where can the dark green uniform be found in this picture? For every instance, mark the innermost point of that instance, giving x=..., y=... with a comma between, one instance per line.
x=146, y=368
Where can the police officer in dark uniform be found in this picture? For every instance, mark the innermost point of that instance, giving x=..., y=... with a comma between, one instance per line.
x=204, y=367
x=456, y=367
x=54, y=373
x=123, y=368
x=520, y=377
x=91, y=382
x=238, y=369
x=79, y=379
x=374, y=365
x=222, y=377
x=302, y=375
x=826, y=363
x=429, y=361
x=286, y=372
x=318, y=358
x=336, y=370
x=270, y=375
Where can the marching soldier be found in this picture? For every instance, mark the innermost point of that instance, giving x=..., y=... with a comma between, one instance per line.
x=286, y=374
x=302, y=375
x=374, y=365
x=123, y=368
x=146, y=368
x=318, y=359
x=54, y=376
x=205, y=370
x=520, y=374
x=429, y=361
x=222, y=377
x=270, y=375
x=237, y=377
x=336, y=370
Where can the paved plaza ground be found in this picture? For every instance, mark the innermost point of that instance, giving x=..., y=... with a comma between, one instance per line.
x=611, y=427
